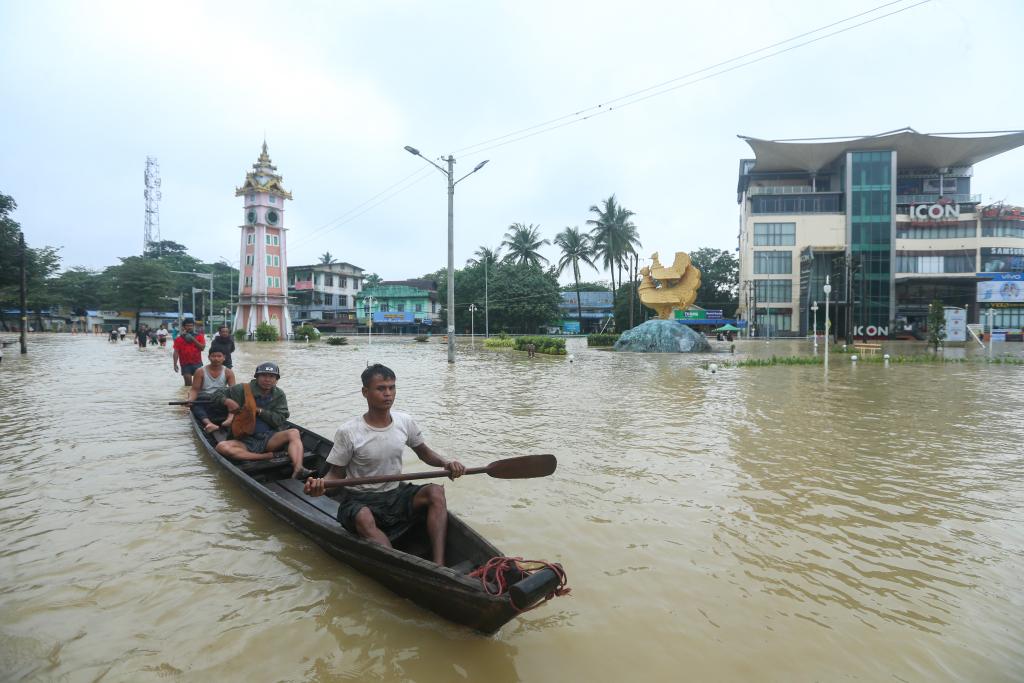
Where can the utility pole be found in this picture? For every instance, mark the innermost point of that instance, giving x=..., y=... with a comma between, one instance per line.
x=24, y=295
x=153, y=196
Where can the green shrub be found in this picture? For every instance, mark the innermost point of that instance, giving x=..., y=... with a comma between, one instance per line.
x=240, y=335
x=421, y=337
x=336, y=341
x=306, y=330
x=602, y=339
x=553, y=346
x=500, y=342
x=266, y=332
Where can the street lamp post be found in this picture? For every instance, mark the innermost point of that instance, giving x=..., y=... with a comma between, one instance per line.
x=814, y=309
x=487, y=309
x=450, y=174
x=828, y=320
x=231, y=291
x=207, y=276
x=472, y=331
x=178, y=299
x=369, y=320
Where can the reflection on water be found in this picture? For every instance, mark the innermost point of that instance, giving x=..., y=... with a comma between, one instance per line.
x=754, y=523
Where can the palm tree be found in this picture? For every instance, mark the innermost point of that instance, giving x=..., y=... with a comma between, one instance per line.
x=484, y=255
x=575, y=247
x=327, y=258
x=523, y=241
x=372, y=280
x=613, y=236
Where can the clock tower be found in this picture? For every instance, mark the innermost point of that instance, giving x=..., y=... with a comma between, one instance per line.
x=263, y=265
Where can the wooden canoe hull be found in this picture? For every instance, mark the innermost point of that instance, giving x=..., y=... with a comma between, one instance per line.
x=447, y=591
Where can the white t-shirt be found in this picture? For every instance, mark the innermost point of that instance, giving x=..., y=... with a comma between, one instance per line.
x=366, y=451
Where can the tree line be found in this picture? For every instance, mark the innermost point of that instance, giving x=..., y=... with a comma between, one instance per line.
x=136, y=284
x=517, y=282
x=520, y=285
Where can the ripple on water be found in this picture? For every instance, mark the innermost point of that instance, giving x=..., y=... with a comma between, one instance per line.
x=748, y=521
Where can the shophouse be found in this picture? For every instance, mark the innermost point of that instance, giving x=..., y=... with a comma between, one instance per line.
x=324, y=295
x=399, y=307
x=596, y=309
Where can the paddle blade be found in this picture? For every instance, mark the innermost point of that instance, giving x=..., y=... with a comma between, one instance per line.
x=523, y=467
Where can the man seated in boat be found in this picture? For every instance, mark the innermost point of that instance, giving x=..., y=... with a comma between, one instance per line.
x=256, y=412
x=206, y=382
x=371, y=445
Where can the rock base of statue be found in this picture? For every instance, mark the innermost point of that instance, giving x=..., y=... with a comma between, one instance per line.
x=662, y=336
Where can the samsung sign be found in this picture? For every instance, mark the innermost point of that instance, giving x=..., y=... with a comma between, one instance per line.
x=935, y=211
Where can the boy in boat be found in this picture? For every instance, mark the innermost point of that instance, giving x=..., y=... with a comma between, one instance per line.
x=266, y=409
x=205, y=383
x=371, y=445
x=188, y=347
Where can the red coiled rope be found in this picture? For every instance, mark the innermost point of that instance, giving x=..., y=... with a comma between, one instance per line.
x=494, y=575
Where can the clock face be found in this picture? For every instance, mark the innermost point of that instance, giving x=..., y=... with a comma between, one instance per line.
x=251, y=216
x=272, y=217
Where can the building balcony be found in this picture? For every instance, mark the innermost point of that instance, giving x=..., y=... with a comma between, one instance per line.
x=934, y=198
x=786, y=189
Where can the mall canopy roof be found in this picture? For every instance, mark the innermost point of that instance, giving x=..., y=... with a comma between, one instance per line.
x=913, y=149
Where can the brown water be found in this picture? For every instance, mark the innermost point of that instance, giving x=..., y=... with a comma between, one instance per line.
x=753, y=524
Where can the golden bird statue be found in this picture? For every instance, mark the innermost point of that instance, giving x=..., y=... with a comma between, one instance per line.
x=666, y=289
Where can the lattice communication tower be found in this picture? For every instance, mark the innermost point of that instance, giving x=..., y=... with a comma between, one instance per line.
x=153, y=197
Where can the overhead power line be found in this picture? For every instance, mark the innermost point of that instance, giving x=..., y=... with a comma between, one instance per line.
x=686, y=80
x=635, y=97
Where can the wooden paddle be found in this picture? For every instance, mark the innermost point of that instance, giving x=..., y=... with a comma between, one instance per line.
x=521, y=467
x=189, y=403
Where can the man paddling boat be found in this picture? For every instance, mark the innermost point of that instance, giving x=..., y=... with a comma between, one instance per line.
x=372, y=445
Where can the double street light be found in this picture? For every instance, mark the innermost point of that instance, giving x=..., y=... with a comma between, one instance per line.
x=450, y=174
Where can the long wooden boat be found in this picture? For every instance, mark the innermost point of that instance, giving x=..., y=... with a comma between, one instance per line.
x=448, y=591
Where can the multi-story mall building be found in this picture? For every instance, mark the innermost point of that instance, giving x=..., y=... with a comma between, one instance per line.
x=894, y=221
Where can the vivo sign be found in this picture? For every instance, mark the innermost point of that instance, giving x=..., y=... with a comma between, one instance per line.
x=935, y=211
x=870, y=331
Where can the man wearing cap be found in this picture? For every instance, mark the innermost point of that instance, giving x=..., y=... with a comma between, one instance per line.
x=264, y=409
x=188, y=348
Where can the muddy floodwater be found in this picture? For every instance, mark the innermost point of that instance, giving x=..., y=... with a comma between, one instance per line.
x=753, y=524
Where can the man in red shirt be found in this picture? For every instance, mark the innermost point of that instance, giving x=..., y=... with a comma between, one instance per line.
x=188, y=347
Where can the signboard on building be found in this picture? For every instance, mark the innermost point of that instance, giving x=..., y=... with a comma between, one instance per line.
x=571, y=326
x=1001, y=291
x=393, y=318
x=935, y=212
x=303, y=284
x=1002, y=259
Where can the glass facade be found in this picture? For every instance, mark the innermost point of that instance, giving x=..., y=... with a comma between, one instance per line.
x=772, y=291
x=1008, y=318
x=999, y=228
x=938, y=231
x=870, y=222
x=935, y=262
x=819, y=202
x=774, y=234
x=773, y=262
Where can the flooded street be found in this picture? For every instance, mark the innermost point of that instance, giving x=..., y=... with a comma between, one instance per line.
x=752, y=524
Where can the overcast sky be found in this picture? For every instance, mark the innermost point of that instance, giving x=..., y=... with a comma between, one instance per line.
x=89, y=89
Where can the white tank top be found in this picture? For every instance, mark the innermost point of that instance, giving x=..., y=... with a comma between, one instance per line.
x=212, y=384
